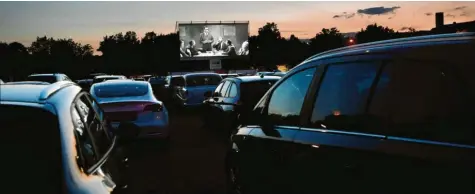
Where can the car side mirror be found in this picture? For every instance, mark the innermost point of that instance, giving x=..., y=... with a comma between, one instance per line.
x=207, y=94
x=127, y=132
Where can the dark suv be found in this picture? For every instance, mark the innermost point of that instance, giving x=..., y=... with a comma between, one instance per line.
x=393, y=116
x=55, y=140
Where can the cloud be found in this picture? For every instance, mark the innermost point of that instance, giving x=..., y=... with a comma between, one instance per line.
x=450, y=15
x=377, y=10
x=465, y=14
x=460, y=8
x=428, y=14
x=344, y=15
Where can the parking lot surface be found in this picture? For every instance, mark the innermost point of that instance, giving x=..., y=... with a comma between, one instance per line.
x=191, y=163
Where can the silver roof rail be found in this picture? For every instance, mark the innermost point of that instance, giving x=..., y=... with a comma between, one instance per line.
x=53, y=88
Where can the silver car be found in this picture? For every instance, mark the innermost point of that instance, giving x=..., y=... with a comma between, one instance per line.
x=54, y=135
x=129, y=100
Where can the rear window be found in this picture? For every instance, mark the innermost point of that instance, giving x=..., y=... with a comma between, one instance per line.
x=201, y=80
x=121, y=90
x=49, y=79
x=30, y=148
x=251, y=92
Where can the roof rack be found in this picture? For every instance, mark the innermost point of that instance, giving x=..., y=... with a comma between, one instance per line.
x=53, y=88
x=397, y=40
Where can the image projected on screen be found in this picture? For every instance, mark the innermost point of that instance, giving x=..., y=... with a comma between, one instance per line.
x=209, y=40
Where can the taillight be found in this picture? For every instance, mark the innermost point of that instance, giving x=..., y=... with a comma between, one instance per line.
x=153, y=108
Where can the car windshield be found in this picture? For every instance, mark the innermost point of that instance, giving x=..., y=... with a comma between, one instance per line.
x=201, y=80
x=42, y=78
x=30, y=148
x=120, y=90
x=252, y=92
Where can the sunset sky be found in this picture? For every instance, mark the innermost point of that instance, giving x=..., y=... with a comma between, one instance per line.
x=88, y=22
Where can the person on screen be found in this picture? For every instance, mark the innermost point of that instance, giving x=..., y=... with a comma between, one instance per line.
x=220, y=45
x=244, y=50
x=191, y=48
x=183, y=49
x=231, y=50
x=206, y=39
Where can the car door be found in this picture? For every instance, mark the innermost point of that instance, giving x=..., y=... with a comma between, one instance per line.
x=212, y=107
x=263, y=156
x=99, y=142
x=334, y=146
x=219, y=117
x=428, y=119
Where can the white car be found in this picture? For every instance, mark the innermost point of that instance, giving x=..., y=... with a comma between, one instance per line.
x=129, y=100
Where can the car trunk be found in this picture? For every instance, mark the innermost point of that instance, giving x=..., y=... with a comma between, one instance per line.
x=123, y=110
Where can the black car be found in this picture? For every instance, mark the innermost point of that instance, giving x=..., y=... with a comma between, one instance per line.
x=393, y=116
x=234, y=96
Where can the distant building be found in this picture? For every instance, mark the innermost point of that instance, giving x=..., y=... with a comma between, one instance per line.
x=440, y=27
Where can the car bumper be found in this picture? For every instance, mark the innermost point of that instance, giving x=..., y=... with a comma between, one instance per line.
x=152, y=129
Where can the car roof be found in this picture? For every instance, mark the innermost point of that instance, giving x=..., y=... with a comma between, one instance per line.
x=406, y=45
x=45, y=74
x=32, y=93
x=245, y=79
x=29, y=82
x=120, y=82
x=199, y=74
x=107, y=76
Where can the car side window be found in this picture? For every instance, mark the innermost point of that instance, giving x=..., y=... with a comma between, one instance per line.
x=94, y=137
x=287, y=99
x=225, y=89
x=232, y=91
x=217, y=91
x=428, y=102
x=342, y=96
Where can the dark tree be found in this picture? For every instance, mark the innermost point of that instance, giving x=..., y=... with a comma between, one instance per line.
x=374, y=32
x=325, y=40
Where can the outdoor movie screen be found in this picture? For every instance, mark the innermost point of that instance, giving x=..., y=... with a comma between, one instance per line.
x=213, y=40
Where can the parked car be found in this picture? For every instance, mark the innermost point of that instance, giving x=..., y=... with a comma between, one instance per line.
x=268, y=73
x=132, y=101
x=392, y=116
x=232, y=97
x=55, y=138
x=139, y=79
x=102, y=78
x=191, y=93
x=160, y=91
x=50, y=78
x=224, y=76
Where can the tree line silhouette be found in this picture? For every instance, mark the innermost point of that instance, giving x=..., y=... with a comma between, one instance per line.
x=127, y=54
